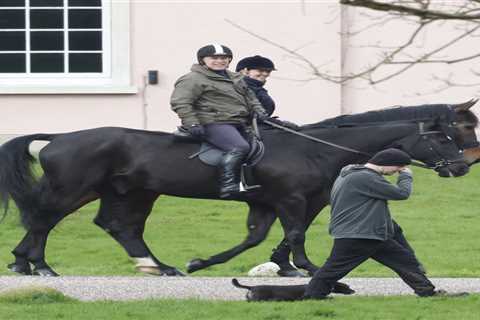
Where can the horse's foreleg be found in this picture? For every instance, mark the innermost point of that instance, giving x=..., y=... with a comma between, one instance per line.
x=124, y=217
x=281, y=257
x=281, y=253
x=292, y=214
x=260, y=219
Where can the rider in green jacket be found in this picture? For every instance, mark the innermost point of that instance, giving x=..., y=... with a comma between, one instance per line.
x=216, y=105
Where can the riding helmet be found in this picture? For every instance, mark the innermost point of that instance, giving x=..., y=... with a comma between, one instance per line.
x=255, y=62
x=212, y=50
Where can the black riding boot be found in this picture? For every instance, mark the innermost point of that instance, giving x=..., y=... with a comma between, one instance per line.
x=229, y=168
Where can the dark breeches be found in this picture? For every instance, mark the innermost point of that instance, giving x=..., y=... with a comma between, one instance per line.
x=227, y=137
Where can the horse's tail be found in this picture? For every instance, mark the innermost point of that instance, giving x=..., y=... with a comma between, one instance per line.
x=17, y=180
x=238, y=285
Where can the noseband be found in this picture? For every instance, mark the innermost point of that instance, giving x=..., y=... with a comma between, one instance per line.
x=425, y=135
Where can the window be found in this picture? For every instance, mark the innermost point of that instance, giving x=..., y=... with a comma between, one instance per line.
x=55, y=44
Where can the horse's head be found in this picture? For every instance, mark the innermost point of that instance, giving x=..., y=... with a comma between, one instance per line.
x=464, y=135
x=465, y=123
x=439, y=143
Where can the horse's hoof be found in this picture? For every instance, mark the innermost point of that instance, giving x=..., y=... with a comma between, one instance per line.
x=173, y=273
x=342, y=288
x=150, y=270
x=291, y=273
x=20, y=268
x=45, y=272
x=195, y=265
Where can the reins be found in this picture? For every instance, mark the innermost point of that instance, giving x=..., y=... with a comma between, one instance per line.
x=306, y=136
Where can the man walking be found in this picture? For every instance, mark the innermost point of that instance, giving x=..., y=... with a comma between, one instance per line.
x=362, y=227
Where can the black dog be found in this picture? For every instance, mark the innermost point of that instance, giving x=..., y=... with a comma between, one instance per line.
x=284, y=293
x=272, y=293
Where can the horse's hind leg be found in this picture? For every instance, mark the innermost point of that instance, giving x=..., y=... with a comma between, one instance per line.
x=124, y=217
x=31, y=249
x=21, y=264
x=260, y=219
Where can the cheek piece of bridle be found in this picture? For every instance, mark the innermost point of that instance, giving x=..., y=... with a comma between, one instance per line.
x=422, y=135
x=425, y=135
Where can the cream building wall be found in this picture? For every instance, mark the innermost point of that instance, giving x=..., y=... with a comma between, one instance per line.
x=165, y=35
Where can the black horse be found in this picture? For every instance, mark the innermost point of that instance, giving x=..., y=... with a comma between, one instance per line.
x=128, y=169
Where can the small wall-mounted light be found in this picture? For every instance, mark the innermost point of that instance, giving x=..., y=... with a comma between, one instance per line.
x=152, y=76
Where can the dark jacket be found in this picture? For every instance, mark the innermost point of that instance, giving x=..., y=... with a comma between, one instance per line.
x=359, y=203
x=203, y=96
x=262, y=94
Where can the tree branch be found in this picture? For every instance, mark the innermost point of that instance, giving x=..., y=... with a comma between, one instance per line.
x=315, y=70
x=406, y=10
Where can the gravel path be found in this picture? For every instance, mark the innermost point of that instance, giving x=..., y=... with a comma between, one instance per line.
x=135, y=288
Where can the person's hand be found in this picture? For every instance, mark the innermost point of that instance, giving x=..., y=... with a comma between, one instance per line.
x=406, y=170
x=197, y=130
x=261, y=115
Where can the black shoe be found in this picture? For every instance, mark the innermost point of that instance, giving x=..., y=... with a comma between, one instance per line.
x=230, y=193
x=444, y=294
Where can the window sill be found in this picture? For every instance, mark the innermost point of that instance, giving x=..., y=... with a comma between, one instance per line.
x=69, y=90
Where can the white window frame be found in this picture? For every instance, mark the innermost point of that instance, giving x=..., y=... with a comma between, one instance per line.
x=115, y=77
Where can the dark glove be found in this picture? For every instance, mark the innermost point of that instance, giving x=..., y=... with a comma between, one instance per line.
x=197, y=130
x=261, y=115
x=287, y=124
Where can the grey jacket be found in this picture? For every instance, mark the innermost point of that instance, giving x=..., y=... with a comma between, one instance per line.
x=359, y=203
x=203, y=96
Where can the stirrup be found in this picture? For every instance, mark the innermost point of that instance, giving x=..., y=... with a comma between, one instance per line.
x=244, y=186
x=236, y=194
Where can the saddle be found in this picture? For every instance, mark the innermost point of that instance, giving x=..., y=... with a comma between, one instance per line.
x=211, y=155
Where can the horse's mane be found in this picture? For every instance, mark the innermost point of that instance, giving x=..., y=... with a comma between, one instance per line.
x=400, y=113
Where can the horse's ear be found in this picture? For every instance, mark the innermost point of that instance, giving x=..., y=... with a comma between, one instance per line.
x=464, y=106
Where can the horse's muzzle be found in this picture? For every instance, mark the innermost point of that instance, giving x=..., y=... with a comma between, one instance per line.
x=453, y=170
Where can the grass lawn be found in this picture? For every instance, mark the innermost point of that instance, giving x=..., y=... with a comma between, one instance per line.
x=441, y=219
x=43, y=305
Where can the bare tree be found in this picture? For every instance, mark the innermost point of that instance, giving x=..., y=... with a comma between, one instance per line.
x=423, y=19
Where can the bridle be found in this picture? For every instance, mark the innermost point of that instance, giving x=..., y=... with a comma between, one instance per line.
x=443, y=162
x=422, y=134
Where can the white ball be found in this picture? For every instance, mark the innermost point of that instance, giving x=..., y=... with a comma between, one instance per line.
x=268, y=269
